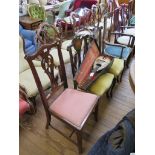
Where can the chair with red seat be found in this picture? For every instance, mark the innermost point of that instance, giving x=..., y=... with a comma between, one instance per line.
x=72, y=107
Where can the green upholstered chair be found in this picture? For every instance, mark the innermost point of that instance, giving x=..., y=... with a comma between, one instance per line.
x=37, y=11
x=102, y=85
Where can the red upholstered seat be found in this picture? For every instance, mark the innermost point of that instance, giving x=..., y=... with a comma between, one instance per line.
x=74, y=106
x=23, y=106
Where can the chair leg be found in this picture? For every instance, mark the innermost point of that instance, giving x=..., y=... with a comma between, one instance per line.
x=79, y=140
x=121, y=75
x=33, y=101
x=113, y=84
x=96, y=113
x=107, y=94
x=48, y=120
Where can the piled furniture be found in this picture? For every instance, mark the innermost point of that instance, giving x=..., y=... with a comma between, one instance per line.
x=44, y=67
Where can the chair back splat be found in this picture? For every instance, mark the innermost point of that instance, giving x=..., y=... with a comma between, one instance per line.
x=48, y=66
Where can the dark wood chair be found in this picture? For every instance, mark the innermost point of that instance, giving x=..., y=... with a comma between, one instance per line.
x=47, y=34
x=114, y=49
x=71, y=106
x=105, y=82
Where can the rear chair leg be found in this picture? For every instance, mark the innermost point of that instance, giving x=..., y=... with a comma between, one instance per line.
x=79, y=140
x=113, y=84
x=96, y=113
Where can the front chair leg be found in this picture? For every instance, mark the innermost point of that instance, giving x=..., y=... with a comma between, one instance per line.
x=79, y=140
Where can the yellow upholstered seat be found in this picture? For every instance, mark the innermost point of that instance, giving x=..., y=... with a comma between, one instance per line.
x=117, y=67
x=102, y=84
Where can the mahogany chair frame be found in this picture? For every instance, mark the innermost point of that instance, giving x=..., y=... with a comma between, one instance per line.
x=105, y=42
x=48, y=66
x=76, y=59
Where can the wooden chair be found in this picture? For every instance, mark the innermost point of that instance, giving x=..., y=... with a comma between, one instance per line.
x=113, y=49
x=72, y=107
x=103, y=84
x=117, y=67
x=47, y=34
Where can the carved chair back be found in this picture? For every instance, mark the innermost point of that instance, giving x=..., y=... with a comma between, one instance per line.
x=113, y=21
x=48, y=66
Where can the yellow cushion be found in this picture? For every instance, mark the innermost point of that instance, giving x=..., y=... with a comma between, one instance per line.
x=65, y=55
x=117, y=67
x=26, y=80
x=102, y=84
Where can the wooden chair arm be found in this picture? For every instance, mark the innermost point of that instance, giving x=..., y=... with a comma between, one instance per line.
x=122, y=34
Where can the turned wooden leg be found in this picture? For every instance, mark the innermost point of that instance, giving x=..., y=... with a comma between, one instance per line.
x=79, y=140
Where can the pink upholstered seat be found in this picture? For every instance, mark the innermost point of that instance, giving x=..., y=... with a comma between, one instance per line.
x=23, y=107
x=74, y=106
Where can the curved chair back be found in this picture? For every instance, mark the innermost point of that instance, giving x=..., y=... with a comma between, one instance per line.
x=37, y=11
x=47, y=34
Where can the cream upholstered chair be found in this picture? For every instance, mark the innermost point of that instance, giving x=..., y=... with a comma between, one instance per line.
x=26, y=79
